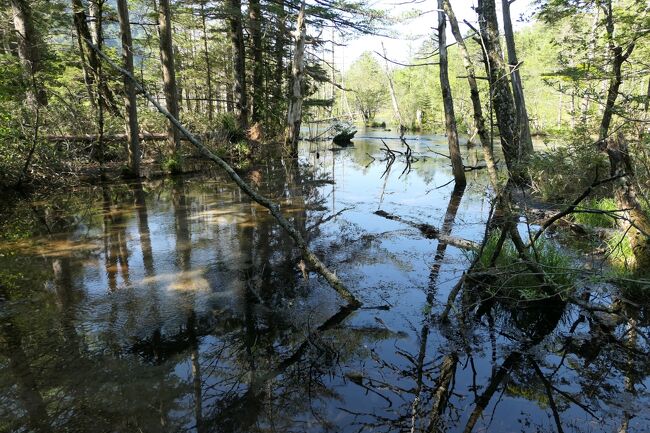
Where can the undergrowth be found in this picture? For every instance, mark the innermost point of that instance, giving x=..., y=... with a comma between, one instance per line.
x=511, y=277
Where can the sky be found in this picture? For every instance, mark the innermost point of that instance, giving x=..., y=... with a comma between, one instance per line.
x=410, y=35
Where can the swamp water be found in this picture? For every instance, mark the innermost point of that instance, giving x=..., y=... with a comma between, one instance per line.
x=177, y=305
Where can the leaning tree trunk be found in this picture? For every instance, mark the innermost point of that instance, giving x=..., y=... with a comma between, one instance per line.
x=297, y=77
x=168, y=72
x=28, y=51
x=526, y=141
x=448, y=101
x=239, y=61
x=132, y=129
x=475, y=96
x=501, y=95
x=255, y=20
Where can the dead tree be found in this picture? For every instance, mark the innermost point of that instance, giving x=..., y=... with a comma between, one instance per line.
x=168, y=71
x=448, y=101
x=130, y=101
x=297, y=77
x=526, y=142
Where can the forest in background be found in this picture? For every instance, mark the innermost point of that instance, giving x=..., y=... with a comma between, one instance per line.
x=565, y=85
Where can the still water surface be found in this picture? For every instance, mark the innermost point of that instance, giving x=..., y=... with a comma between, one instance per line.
x=179, y=305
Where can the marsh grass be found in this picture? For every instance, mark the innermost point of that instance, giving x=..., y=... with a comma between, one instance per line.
x=512, y=278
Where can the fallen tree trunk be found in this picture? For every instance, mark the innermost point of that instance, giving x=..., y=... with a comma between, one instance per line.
x=430, y=232
x=274, y=208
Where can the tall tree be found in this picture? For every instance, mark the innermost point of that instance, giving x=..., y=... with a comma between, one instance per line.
x=500, y=93
x=238, y=59
x=29, y=51
x=208, y=65
x=255, y=24
x=526, y=141
x=475, y=96
x=297, y=77
x=130, y=101
x=168, y=71
x=448, y=101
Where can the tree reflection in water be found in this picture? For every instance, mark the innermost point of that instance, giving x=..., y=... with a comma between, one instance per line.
x=178, y=305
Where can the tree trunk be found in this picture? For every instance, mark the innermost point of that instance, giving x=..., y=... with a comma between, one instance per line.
x=297, y=76
x=208, y=66
x=130, y=102
x=635, y=222
x=168, y=71
x=238, y=60
x=526, y=141
x=448, y=101
x=499, y=89
x=584, y=110
x=393, y=97
x=479, y=120
x=255, y=20
x=28, y=51
x=278, y=73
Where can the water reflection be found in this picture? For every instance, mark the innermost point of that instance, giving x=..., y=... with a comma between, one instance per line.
x=179, y=305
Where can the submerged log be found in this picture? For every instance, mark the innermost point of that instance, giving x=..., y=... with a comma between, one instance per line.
x=430, y=232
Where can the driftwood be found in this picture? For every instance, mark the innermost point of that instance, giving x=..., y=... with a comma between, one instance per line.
x=430, y=232
x=313, y=261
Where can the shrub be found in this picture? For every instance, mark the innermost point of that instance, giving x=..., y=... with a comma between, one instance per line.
x=227, y=126
x=172, y=164
x=597, y=219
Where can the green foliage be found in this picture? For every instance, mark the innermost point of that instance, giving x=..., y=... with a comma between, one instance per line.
x=366, y=79
x=173, y=164
x=512, y=278
x=620, y=254
x=597, y=219
x=227, y=126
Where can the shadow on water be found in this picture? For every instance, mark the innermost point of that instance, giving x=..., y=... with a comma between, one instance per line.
x=179, y=305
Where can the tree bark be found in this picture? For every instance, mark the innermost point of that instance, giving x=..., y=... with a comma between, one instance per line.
x=635, y=222
x=479, y=120
x=297, y=76
x=279, y=72
x=168, y=71
x=526, y=141
x=448, y=102
x=28, y=51
x=499, y=89
x=130, y=102
x=255, y=21
x=238, y=60
x=616, y=76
